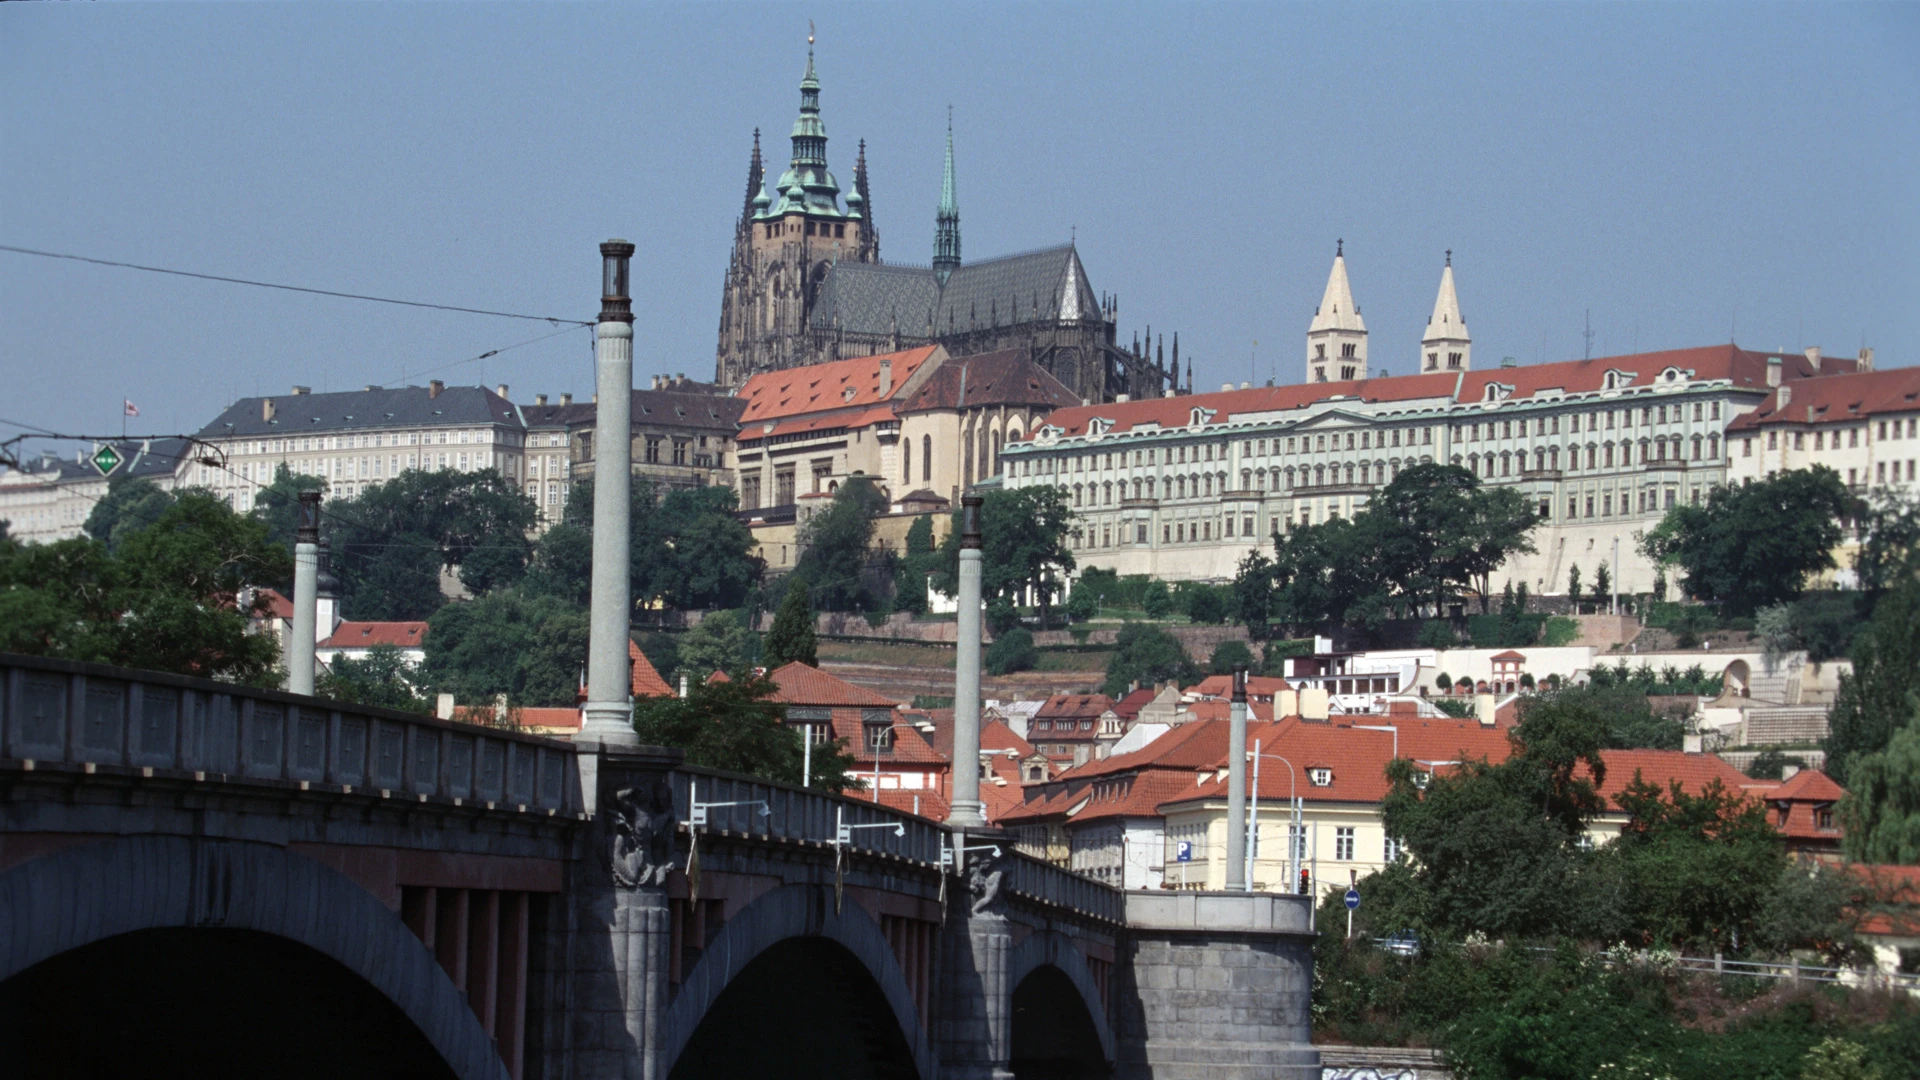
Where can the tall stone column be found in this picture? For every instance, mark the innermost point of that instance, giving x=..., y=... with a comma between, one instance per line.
x=302, y=637
x=967, y=811
x=1237, y=877
x=609, y=712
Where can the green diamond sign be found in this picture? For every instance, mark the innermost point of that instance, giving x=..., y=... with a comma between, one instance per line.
x=106, y=459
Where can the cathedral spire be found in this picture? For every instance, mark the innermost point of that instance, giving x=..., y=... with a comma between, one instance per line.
x=1446, y=345
x=946, y=229
x=756, y=178
x=1337, y=337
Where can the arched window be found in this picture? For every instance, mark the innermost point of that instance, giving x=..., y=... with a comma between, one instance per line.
x=1076, y=494
x=906, y=461
x=1713, y=447
x=1106, y=494
x=1696, y=448
x=926, y=457
x=986, y=454
x=1319, y=475
x=1289, y=478
x=1553, y=457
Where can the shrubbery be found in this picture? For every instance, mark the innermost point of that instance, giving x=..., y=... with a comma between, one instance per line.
x=1012, y=651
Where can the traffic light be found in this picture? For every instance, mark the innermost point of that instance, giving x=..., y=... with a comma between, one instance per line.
x=1305, y=884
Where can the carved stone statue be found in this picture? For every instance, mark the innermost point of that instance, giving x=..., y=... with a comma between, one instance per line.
x=643, y=834
x=983, y=882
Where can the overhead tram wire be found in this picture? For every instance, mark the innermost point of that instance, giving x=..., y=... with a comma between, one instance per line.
x=291, y=288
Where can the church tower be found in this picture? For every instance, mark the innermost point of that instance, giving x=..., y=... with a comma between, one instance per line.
x=946, y=219
x=1445, y=346
x=1337, y=337
x=785, y=242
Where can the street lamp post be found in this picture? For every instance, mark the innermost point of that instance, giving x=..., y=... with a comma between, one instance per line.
x=1293, y=816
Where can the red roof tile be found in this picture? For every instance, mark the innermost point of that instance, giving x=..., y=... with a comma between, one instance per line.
x=277, y=605
x=1221, y=686
x=1837, y=399
x=773, y=395
x=798, y=684
x=933, y=805
x=646, y=681
x=365, y=635
x=1177, y=412
x=1128, y=708
x=1663, y=767
x=1074, y=707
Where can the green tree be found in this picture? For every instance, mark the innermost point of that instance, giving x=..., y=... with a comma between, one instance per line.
x=1771, y=764
x=562, y=564
x=1145, y=655
x=719, y=643
x=1754, y=544
x=383, y=679
x=1602, y=584
x=1437, y=634
x=168, y=597
x=277, y=505
x=1573, y=587
x=1879, y=696
x=1253, y=593
x=836, y=547
x=1002, y=616
x=1082, y=605
x=1206, y=605
x=1889, y=528
x=1881, y=812
x=533, y=649
x=1697, y=870
x=734, y=725
x=791, y=637
x=1012, y=651
x=1023, y=534
x=131, y=504
x=1156, y=600
x=1835, y=1058
x=475, y=524
x=710, y=551
x=919, y=560
x=1228, y=655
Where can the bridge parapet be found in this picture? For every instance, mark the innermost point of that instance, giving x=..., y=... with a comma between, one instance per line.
x=1040, y=882
x=86, y=718
x=798, y=814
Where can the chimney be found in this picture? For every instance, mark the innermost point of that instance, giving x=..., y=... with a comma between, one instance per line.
x=1286, y=703
x=539, y=399
x=1786, y=396
x=566, y=399
x=1509, y=362
x=1813, y=357
x=501, y=390
x=1169, y=393
x=1225, y=386
x=679, y=378
x=1865, y=362
x=1313, y=704
x=1788, y=772
x=1121, y=399
x=1773, y=371
x=886, y=379
x=303, y=390
x=1483, y=709
x=443, y=706
x=434, y=387
x=266, y=409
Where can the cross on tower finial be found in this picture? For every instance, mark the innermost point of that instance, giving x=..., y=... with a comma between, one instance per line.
x=1449, y=256
x=1339, y=248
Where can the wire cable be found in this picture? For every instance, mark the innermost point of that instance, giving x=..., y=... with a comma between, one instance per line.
x=290, y=288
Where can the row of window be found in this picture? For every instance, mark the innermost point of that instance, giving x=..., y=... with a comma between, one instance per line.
x=372, y=439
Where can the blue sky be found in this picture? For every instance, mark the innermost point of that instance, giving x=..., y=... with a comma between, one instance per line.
x=1684, y=172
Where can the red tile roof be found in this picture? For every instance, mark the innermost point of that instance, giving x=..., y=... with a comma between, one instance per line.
x=1177, y=412
x=1074, y=707
x=1809, y=785
x=1357, y=759
x=1128, y=708
x=1663, y=767
x=798, y=684
x=547, y=719
x=1221, y=686
x=1837, y=399
x=933, y=805
x=646, y=681
x=277, y=605
x=1008, y=377
x=773, y=395
x=365, y=635
x=1745, y=369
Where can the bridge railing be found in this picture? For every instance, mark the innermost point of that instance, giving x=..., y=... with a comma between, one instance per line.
x=1044, y=883
x=797, y=813
x=92, y=716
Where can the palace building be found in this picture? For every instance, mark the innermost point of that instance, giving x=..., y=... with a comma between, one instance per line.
x=1184, y=488
x=805, y=285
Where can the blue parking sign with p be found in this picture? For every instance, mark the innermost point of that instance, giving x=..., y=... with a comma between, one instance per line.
x=1183, y=851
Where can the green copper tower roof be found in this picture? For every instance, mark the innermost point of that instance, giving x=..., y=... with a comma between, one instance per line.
x=946, y=230
x=807, y=187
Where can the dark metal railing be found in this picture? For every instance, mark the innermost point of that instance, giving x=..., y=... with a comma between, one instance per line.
x=93, y=716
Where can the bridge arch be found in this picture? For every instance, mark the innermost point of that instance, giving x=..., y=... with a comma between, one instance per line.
x=774, y=929
x=1049, y=966
x=86, y=895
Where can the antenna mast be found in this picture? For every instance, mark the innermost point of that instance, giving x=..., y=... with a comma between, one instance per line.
x=1588, y=333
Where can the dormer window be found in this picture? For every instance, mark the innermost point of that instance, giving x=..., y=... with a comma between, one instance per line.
x=1199, y=416
x=1617, y=379
x=1320, y=777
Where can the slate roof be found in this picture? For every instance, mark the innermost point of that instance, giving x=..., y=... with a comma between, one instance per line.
x=670, y=408
x=1837, y=399
x=363, y=410
x=1034, y=286
x=139, y=458
x=1007, y=377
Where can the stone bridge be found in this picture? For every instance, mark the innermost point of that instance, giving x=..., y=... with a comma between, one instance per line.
x=200, y=878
